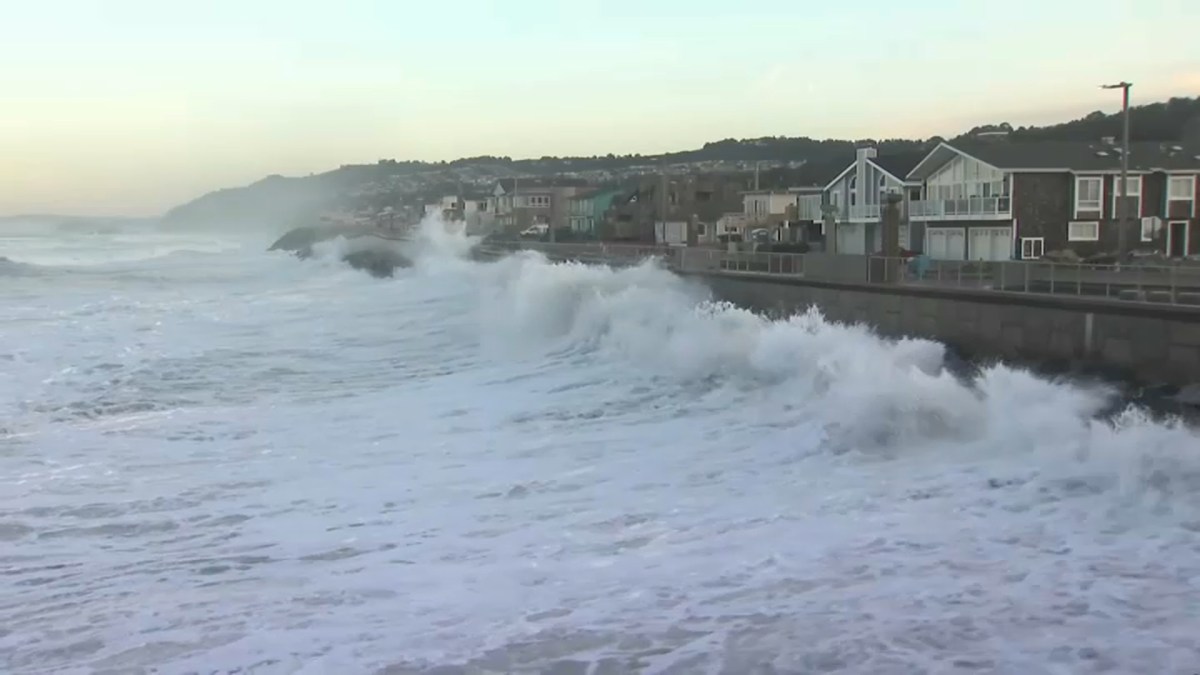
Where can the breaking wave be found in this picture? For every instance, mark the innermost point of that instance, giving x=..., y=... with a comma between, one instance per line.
x=235, y=461
x=12, y=268
x=866, y=393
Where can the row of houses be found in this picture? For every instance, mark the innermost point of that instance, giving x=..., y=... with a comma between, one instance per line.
x=992, y=199
x=989, y=198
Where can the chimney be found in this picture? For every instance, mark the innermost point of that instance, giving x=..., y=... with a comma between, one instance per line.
x=866, y=153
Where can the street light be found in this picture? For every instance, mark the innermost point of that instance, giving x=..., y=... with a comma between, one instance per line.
x=1122, y=211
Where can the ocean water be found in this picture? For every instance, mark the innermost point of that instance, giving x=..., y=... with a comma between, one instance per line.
x=215, y=459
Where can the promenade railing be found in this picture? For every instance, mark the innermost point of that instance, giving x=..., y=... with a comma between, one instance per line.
x=1177, y=284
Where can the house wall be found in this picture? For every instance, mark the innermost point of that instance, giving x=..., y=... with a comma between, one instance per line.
x=1045, y=205
x=964, y=177
x=690, y=199
x=1042, y=205
x=859, y=192
x=1181, y=211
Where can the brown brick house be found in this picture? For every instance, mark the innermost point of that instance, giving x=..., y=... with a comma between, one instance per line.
x=998, y=200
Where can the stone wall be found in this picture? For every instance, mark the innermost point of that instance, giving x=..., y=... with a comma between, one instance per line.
x=1142, y=342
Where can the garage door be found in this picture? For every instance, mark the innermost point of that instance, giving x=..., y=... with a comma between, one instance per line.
x=851, y=239
x=946, y=243
x=991, y=243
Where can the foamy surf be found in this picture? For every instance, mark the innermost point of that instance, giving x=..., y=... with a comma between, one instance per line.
x=536, y=467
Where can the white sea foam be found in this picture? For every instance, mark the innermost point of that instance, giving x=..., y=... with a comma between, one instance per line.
x=231, y=460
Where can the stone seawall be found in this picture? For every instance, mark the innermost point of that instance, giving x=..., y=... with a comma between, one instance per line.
x=1141, y=342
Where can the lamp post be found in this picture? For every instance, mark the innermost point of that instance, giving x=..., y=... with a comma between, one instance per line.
x=1123, y=208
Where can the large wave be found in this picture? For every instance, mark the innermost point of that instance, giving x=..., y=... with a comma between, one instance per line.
x=867, y=393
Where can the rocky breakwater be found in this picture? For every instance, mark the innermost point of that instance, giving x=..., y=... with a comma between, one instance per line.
x=377, y=252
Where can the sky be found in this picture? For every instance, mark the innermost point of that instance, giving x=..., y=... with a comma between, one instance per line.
x=129, y=107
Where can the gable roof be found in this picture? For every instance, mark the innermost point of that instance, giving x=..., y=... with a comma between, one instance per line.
x=1063, y=156
x=895, y=165
x=898, y=165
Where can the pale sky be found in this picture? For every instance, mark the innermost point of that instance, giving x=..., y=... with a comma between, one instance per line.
x=132, y=106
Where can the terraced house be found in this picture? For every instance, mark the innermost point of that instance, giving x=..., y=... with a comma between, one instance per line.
x=1000, y=199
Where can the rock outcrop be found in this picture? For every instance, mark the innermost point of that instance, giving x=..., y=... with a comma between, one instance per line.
x=366, y=248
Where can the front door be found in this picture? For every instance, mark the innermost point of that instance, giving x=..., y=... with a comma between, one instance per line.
x=1177, y=239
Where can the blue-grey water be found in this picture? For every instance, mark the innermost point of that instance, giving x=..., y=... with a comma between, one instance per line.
x=215, y=459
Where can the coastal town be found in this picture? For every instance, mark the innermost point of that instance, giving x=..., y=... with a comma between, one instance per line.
x=988, y=199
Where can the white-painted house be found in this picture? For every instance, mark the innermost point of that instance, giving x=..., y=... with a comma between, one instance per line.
x=966, y=206
x=858, y=194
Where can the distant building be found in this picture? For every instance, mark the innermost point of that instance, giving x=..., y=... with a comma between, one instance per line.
x=519, y=203
x=699, y=202
x=587, y=209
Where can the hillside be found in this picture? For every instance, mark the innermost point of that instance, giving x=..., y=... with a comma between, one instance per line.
x=280, y=202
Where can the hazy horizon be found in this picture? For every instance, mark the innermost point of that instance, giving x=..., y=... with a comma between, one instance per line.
x=130, y=107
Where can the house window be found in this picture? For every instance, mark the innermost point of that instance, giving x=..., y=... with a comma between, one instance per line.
x=1032, y=248
x=1181, y=188
x=1083, y=231
x=1133, y=191
x=1150, y=228
x=1087, y=194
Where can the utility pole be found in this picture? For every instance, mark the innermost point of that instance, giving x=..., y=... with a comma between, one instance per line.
x=662, y=200
x=1123, y=225
x=516, y=219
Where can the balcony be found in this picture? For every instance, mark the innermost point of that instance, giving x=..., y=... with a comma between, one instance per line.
x=862, y=212
x=971, y=207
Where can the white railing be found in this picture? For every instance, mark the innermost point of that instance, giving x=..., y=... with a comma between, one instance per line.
x=863, y=212
x=952, y=208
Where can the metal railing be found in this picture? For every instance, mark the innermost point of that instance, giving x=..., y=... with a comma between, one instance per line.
x=1169, y=284
x=969, y=206
x=862, y=212
x=1163, y=284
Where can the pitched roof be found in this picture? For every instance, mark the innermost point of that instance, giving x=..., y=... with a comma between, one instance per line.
x=1076, y=156
x=898, y=164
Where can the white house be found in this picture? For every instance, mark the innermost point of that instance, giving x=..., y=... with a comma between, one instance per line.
x=858, y=194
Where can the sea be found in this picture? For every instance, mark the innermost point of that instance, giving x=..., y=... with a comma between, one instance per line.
x=216, y=459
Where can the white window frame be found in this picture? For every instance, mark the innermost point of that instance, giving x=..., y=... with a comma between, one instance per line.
x=1099, y=201
x=1033, y=248
x=1190, y=181
x=1148, y=233
x=1072, y=235
x=1137, y=212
